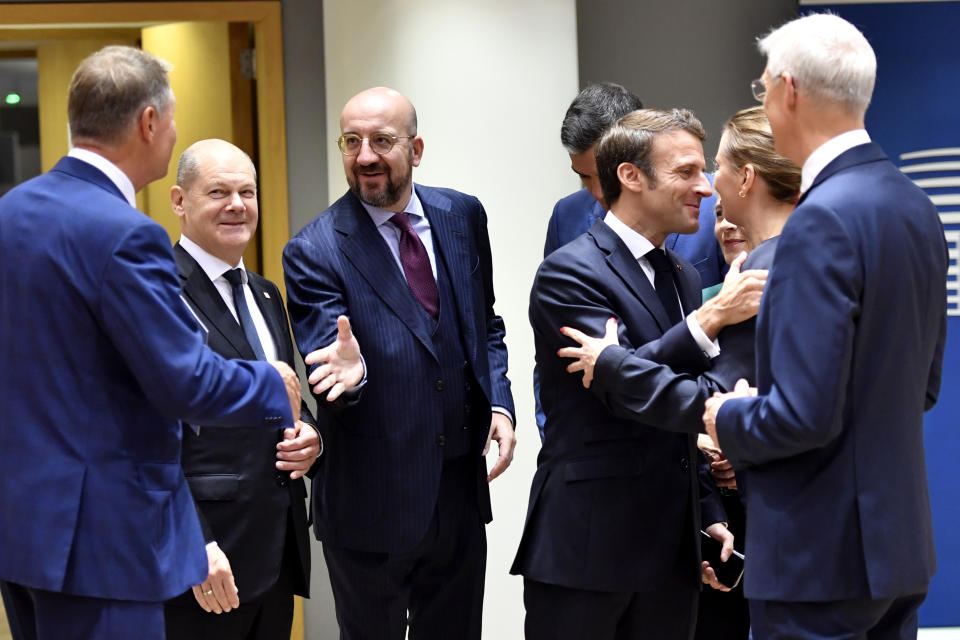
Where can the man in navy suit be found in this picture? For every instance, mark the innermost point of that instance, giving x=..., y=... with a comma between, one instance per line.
x=100, y=359
x=401, y=500
x=850, y=342
x=247, y=482
x=592, y=112
x=610, y=547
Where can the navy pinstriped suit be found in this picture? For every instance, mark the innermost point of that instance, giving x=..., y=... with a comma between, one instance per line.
x=378, y=487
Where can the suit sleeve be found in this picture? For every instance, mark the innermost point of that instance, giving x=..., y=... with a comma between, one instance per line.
x=635, y=387
x=151, y=327
x=810, y=304
x=495, y=330
x=552, y=242
x=315, y=298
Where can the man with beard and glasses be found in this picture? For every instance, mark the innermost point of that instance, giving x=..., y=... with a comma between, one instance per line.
x=402, y=496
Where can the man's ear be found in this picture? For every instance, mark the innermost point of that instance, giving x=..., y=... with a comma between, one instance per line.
x=176, y=200
x=147, y=123
x=631, y=177
x=416, y=144
x=790, y=94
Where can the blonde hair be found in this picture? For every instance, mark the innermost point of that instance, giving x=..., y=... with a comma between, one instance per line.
x=749, y=141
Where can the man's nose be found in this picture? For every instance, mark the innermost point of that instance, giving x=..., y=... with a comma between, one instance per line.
x=366, y=156
x=236, y=202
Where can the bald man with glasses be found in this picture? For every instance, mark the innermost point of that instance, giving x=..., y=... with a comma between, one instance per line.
x=401, y=499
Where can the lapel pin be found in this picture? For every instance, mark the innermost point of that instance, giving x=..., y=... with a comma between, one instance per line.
x=266, y=295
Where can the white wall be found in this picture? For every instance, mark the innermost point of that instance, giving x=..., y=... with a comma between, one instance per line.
x=491, y=81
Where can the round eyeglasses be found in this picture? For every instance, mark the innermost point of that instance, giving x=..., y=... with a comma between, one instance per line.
x=380, y=143
x=758, y=89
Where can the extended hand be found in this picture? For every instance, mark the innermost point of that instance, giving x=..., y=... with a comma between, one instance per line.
x=292, y=384
x=218, y=593
x=298, y=450
x=737, y=300
x=501, y=430
x=712, y=406
x=589, y=350
x=341, y=367
x=720, y=467
x=718, y=531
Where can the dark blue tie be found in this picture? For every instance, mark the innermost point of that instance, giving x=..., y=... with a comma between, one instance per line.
x=665, y=285
x=235, y=278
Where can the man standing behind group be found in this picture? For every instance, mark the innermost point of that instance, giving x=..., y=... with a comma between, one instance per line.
x=610, y=545
x=849, y=351
x=592, y=112
x=246, y=482
x=100, y=358
x=401, y=500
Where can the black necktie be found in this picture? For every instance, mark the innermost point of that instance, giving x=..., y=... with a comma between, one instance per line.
x=416, y=266
x=235, y=278
x=664, y=283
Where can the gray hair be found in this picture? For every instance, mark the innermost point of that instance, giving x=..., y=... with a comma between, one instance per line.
x=188, y=167
x=111, y=88
x=829, y=58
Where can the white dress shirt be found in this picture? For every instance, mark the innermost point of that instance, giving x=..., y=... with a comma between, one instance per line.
x=828, y=152
x=117, y=177
x=639, y=246
x=214, y=267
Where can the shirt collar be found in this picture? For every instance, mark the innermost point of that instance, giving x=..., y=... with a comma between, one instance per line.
x=213, y=266
x=382, y=216
x=638, y=244
x=112, y=171
x=828, y=152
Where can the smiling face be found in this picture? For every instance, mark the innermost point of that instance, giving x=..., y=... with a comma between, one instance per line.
x=671, y=202
x=217, y=207
x=731, y=237
x=381, y=180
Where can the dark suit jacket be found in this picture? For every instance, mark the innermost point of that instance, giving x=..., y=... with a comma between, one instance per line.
x=244, y=503
x=577, y=212
x=379, y=484
x=100, y=358
x=613, y=506
x=850, y=342
x=738, y=357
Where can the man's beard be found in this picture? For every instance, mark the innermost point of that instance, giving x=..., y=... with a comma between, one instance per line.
x=385, y=196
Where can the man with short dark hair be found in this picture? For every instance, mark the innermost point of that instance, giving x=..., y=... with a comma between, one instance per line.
x=100, y=359
x=589, y=116
x=247, y=483
x=849, y=353
x=610, y=547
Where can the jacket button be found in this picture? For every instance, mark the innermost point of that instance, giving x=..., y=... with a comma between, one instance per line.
x=438, y=385
x=282, y=479
x=441, y=440
x=684, y=465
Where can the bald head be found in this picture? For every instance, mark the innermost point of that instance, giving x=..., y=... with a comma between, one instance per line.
x=188, y=168
x=385, y=103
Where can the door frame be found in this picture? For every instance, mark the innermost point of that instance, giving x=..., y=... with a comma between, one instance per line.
x=265, y=16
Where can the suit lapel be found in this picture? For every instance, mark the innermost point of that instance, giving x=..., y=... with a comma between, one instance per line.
x=207, y=301
x=366, y=249
x=272, y=314
x=451, y=245
x=691, y=295
x=622, y=262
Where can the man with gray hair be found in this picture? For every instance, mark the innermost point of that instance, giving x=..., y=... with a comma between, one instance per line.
x=101, y=358
x=850, y=343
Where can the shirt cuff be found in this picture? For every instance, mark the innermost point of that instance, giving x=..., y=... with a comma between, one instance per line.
x=710, y=348
x=505, y=412
x=212, y=544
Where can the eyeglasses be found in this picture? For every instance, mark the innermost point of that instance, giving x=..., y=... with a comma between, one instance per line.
x=758, y=89
x=380, y=143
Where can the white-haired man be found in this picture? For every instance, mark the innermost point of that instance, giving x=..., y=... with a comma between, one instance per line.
x=849, y=350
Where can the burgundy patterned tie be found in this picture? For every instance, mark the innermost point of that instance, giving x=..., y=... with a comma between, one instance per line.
x=416, y=266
